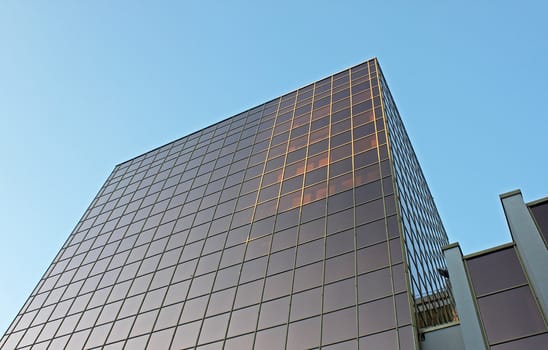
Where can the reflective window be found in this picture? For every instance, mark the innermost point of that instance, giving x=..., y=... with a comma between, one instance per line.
x=274, y=312
x=384, y=340
x=243, y=320
x=277, y=285
x=304, y=334
x=534, y=342
x=271, y=339
x=308, y=276
x=374, y=285
x=339, y=267
x=194, y=309
x=495, y=271
x=281, y=261
x=376, y=316
x=540, y=214
x=339, y=325
x=510, y=314
x=339, y=295
x=213, y=328
x=220, y=302
x=249, y=293
x=340, y=243
x=306, y=304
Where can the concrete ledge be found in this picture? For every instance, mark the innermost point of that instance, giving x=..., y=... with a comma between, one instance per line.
x=510, y=194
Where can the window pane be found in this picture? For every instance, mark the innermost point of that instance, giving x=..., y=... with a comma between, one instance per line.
x=271, y=339
x=535, y=342
x=376, y=316
x=339, y=325
x=308, y=277
x=278, y=285
x=372, y=258
x=220, y=302
x=306, y=304
x=239, y=343
x=339, y=295
x=374, y=285
x=243, y=321
x=249, y=293
x=340, y=243
x=510, y=314
x=213, y=328
x=304, y=334
x=281, y=261
x=186, y=335
x=310, y=252
x=274, y=312
x=339, y=267
x=495, y=271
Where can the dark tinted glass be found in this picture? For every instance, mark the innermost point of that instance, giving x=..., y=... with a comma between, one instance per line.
x=510, y=314
x=529, y=343
x=267, y=230
x=495, y=271
x=540, y=214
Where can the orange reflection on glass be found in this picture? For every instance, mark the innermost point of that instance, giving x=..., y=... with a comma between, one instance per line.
x=319, y=134
x=365, y=143
x=292, y=184
x=317, y=161
x=321, y=112
x=277, y=150
x=315, y=192
x=281, y=127
x=296, y=168
x=279, y=138
x=265, y=209
x=341, y=183
x=368, y=174
x=289, y=201
x=269, y=192
x=303, y=119
x=272, y=177
x=299, y=142
x=363, y=118
x=341, y=152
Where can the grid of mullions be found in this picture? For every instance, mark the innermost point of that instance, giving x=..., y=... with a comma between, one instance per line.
x=238, y=212
x=423, y=231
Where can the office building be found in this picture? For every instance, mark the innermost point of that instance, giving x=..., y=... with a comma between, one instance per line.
x=302, y=223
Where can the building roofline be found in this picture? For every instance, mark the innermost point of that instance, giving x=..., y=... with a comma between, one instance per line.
x=488, y=250
x=509, y=194
x=450, y=246
x=374, y=58
x=537, y=202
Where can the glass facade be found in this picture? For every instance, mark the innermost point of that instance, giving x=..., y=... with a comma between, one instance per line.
x=303, y=223
x=539, y=212
x=423, y=232
x=510, y=315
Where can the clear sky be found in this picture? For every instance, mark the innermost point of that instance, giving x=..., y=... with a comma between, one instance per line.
x=85, y=85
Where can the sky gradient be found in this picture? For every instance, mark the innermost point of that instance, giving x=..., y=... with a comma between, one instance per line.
x=87, y=85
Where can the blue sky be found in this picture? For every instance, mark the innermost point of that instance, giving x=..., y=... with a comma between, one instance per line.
x=85, y=85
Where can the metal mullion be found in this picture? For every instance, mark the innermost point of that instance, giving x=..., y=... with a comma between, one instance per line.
x=269, y=254
x=224, y=246
x=288, y=323
x=141, y=262
x=356, y=284
x=173, y=275
x=383, y=118
x=326, y=213
x=124, y=264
